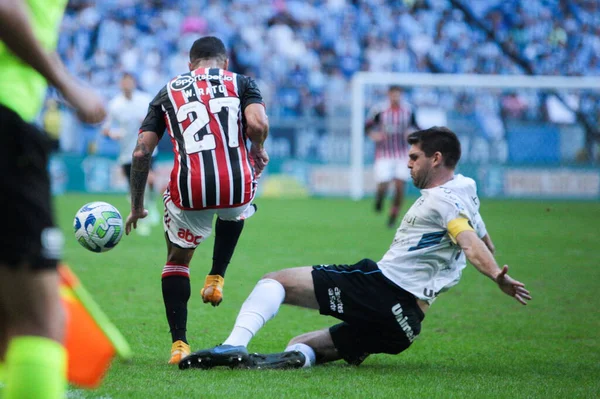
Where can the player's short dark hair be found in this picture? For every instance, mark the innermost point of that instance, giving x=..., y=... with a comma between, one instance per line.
x=437, y=139
x=395, y=88
x=208, y=48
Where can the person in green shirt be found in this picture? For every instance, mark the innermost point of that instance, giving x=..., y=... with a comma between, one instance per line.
x=31, y=315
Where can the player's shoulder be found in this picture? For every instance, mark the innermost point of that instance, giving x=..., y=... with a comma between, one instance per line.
x=179, y=82
x=440, y=195
x=440, y=203
x=242, y=80
x=460, y=190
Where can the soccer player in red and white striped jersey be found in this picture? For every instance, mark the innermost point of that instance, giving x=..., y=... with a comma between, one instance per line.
x=388, y=125
x=209, y=113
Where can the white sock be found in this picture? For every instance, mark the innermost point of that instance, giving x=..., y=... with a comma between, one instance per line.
x=261, y=306
x=307, y=351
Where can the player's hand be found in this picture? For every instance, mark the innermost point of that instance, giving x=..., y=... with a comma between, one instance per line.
x=133, y=218
x=86, y=102
x=511, y=287
x=377, y=136
x=260, y=159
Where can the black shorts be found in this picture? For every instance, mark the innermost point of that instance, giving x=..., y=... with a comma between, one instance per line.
x=25, y=200
x=378, y=316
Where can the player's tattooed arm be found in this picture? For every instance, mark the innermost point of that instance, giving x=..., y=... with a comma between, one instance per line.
x=140, y=167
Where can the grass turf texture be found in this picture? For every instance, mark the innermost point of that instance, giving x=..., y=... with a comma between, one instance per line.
x=475, y=342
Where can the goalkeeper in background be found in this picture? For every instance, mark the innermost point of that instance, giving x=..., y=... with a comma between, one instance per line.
x=388, y=125
x=32, y=356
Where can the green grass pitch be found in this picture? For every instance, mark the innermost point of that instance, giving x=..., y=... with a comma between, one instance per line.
x=475, y=342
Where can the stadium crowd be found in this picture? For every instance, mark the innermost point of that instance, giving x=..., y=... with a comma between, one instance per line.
x=303, y=53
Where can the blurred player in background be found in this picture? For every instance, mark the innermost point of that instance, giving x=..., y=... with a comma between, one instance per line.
x=126, y=113
x=388, y=126
x=381, y=305
x=31, y=314
x=208, y=113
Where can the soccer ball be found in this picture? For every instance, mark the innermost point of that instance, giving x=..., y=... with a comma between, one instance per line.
x=98, y=226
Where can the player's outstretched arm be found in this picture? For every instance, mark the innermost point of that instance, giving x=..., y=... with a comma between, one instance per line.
x=480, y=256
x=140, y=167
x=487, y=240
x=17, y=34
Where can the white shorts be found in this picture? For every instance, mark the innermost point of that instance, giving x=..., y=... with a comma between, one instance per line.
x=187, y=229
x=388, y=169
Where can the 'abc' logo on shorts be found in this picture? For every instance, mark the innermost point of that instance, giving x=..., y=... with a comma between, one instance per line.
x=188, y=236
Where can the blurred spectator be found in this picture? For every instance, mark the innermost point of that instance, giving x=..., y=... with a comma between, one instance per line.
x=513, y=106
x=309, y=50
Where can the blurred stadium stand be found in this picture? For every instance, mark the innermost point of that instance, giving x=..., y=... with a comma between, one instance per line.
x=303, y=54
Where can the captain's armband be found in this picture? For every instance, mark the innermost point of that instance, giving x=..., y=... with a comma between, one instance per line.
x=457, y=226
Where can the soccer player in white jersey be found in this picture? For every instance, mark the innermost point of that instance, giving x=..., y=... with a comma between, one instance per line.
x=125, y=115
x=381, y=305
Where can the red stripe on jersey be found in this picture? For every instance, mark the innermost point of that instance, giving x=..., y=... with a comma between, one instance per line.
x=394, y=124
x=205, y=90
x=396, y=132
x=196, y=186
x=191, y=177
x=248, y=173
x=247, y=170
x=173, y=188
x=175, y=170
x=223, y=163
x=388, y=145
x=226, y=171
x=392, y=140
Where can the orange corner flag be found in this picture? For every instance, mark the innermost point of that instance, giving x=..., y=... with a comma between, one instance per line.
x=91, y=339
